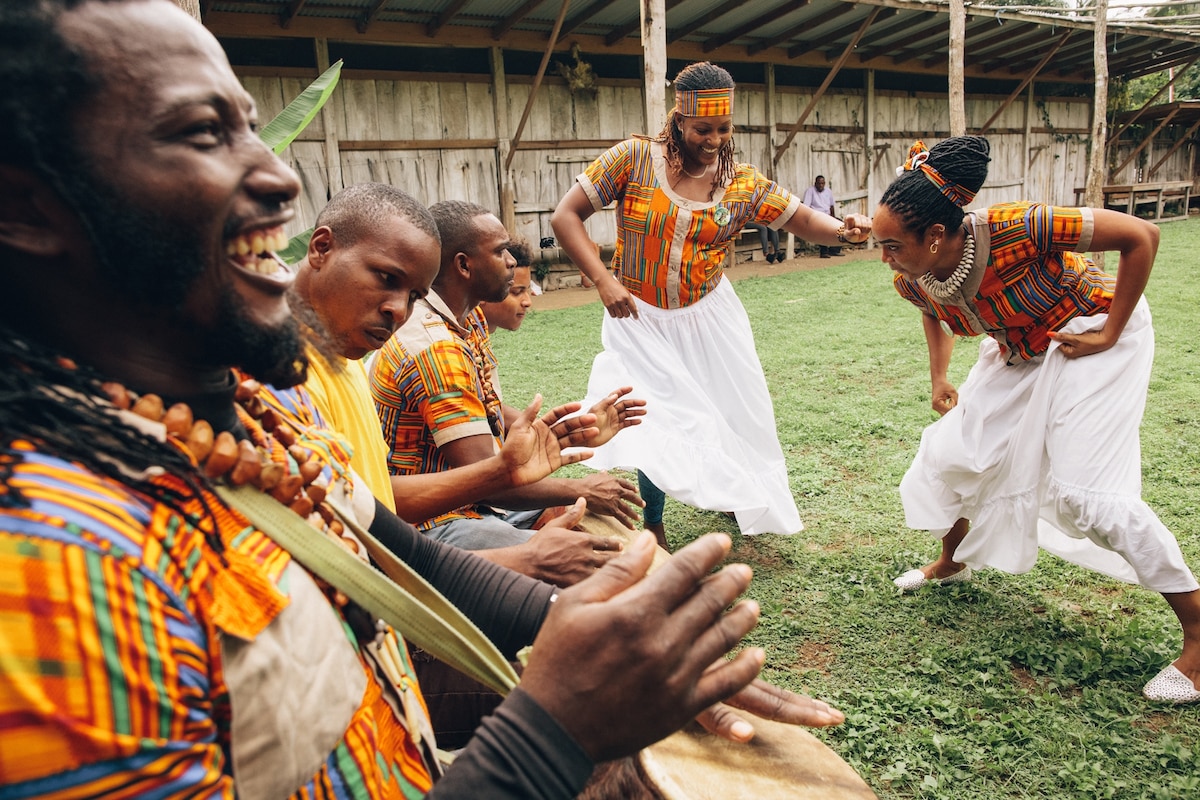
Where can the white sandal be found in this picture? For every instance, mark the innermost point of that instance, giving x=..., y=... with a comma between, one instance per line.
x=1171, y=686
x=914, y=579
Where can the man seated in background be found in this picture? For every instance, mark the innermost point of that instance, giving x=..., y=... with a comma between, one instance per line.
x=510, y=312
x=434, y=388
x=372, y=254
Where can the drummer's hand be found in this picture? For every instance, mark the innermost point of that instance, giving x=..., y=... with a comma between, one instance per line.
x=762, y=699
x=616, y=298
x=624, y=659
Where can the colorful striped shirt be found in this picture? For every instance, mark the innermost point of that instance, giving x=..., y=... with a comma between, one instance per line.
x=1030, y=278
x=138, y=661
x=671, y=251
x=433, y=383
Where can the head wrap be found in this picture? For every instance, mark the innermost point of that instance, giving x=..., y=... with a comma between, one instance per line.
x=704, y=102
x=918, y=156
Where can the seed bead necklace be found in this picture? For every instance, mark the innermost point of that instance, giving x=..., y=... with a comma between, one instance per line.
x=944, y=290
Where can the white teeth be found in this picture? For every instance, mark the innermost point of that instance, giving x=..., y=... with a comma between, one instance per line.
x=256, y=244
x=243, y=247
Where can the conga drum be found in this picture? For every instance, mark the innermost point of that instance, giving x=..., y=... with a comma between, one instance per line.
x=781, y=761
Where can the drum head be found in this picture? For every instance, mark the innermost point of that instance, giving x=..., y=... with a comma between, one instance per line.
x=781, y=761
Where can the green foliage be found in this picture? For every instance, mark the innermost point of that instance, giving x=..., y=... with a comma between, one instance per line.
x=1011, y=686
x=281, y=131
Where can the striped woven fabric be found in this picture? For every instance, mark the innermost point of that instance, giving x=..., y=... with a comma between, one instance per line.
x=433, y=383
x=652, y=252
x=1034, y=282
x=110, y=611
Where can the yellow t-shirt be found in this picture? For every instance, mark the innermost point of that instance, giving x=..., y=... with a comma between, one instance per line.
x=344, y=402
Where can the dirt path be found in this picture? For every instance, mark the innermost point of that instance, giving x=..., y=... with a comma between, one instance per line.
x=578, y=296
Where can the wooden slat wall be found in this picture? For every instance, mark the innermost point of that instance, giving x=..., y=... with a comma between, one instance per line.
x=457, y=111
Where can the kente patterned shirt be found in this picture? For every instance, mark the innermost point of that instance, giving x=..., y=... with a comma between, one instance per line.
x=433, y=384
x=1029, y=278
x=128, y=642
x=671, y=251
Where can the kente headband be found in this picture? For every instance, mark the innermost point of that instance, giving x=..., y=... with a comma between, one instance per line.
x=918, y=155
x=704, y=102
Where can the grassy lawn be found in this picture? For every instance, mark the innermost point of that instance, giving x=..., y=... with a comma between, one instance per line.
x=1011, y=686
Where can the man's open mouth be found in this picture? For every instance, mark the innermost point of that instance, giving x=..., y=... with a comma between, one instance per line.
x=254, y=250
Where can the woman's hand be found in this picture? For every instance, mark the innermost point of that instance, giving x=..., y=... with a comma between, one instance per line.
x=858, y=228
x=1077, y=345
x=945, y=397
x=616, y=298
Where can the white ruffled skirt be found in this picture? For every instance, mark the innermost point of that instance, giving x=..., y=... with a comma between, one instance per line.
x=1047, y=454
x=708, y=438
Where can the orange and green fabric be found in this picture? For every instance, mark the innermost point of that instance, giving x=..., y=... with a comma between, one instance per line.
x=1036, y=279
x=433, y=383
x=113, y=608
x=671, y=251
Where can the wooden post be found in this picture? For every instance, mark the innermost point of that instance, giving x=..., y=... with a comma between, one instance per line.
x=869, y=149
x=958, y=32
x=654, y=60
x=333, y=153
x=1027, y=141
x=1094, y=194
x=507, y=199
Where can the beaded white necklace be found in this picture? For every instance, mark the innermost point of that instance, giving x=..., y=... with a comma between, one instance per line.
x=944, y=290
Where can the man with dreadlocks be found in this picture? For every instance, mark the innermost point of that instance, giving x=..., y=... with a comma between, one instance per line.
x=155, y=642
x=1040, y=445
x=676, y=329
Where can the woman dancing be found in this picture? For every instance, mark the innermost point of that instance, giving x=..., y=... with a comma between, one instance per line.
x=675, y=329
x=1040, y=445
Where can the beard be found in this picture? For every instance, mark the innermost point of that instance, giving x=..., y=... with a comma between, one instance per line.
x=158, y=262
x=274, y=355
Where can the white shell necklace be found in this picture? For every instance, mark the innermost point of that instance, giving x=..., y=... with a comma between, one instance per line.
x=944, y=290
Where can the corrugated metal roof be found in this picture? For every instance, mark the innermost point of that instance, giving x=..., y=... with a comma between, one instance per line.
x=904, y=36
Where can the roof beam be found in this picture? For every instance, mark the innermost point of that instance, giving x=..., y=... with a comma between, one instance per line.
x=289, y=12
x=803, y=47
x=369, y=15
x=1165, y=53
x=583, y=16
x=699, y=22
x=742, y=30
x=829, y=76
x=450, y=12
x=808, y=24
x=617, y=34
x=505, y=25
x=1028, y=80
x=873, y=45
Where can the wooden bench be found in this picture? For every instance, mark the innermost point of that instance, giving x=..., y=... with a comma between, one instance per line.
x=1160, y=201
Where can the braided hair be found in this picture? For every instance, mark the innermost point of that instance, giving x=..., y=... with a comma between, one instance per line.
x=700, y=75
x=917, y=201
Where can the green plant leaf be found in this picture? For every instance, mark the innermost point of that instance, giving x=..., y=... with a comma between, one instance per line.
x=279, y=132
x=296, y=248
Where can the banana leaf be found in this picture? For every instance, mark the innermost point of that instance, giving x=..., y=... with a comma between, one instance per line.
x=279, y=132
x=297, y=247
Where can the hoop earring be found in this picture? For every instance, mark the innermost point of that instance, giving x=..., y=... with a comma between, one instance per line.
x=933, y=248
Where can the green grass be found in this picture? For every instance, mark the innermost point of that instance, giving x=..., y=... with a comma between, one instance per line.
x=1007, y=687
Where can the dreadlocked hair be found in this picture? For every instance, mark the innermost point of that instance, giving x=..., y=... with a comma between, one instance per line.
x=55, y=405
x=918, y=202
x=700, y=75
